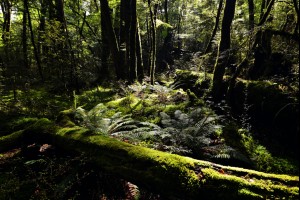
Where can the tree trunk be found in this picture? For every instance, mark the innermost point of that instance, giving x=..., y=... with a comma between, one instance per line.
x=111, y=36
x=296, y=6
x=262, y=44
x=257, y=41
x=251, y=14
x=265, y=15
x=153, y=41
x=208, y=48
x=139, y=54
x=35, y=50
x=133, y=44
x=173, y=176
x=6, y=10
x=24, y=39
x=166, y=11
x=42, y=26
x=104, y=50
x=223, y=59
x=73, y=64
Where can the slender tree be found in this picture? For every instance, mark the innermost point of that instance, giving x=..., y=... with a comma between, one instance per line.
x=124, y=34
x=35, y=50
x=223, y=59
x=208, y=47
x=251, y=14
x=166, y=9
x=153, y=39
x=24, y=39
x=104, y=52
x=296, y=6
x=42, y=26
x=257, y=41
x=264, y=15
x=111, y=37
x=139, y=54
x=133, y=42
x=6, y=11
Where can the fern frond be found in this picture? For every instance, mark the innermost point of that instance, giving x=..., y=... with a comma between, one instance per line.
x=150, y=125
x=222, y=156
x=122, y=125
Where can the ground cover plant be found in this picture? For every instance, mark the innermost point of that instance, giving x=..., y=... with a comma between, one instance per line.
x=193, y=90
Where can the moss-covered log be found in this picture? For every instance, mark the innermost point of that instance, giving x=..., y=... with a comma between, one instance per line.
x=171, y=175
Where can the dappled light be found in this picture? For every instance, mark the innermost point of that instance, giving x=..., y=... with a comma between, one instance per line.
x=149, y=100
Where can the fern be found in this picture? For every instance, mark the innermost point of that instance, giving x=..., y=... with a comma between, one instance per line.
x=118, y=125
x=181, y=133
x=222, y=156
x=225, y=152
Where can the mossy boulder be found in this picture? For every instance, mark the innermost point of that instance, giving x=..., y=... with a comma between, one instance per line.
x=197, y=82
x=269, y=107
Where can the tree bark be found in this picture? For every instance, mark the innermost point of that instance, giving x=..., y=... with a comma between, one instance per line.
x=42, y=26
x=139, y=55
x=171, y=175
x=153, y=40
x=296, y=6
x=251, y=14
x=35, y=50
x=24, y=39
x=6, y=11
x=133, y=42
x=223, y=59
x=124, y=34
x=166, y=11
x=104, y=50
x=208, y=48
x=258, y=41
x=111, y=36
x=265, y=15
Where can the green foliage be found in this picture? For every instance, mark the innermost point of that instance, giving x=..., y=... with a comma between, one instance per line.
x=90, y=98
x=100, y=120
x=263, y=159
x=192, y=130
x=33, y=102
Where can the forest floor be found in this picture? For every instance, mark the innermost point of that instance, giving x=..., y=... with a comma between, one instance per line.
x=162, y=116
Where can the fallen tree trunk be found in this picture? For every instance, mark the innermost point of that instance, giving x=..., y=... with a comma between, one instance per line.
x=171, y=175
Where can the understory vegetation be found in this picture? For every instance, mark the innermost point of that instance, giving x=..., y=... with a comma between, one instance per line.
x=154, y=116
x=212, y=80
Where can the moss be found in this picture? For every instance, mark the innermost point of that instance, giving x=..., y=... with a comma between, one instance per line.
x=135, y=159
x=21, y=123
x=125, y=105
x=66, y=118
x=170, y=109
x=198, y=82
x=171, y=175
x=10, y=141
x=247, y=194
x=187, y=74
x=255, y=187
x=74, y=131
x=92, y=97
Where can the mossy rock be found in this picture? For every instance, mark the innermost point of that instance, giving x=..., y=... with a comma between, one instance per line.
x=269, y=108
x=197, y=82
